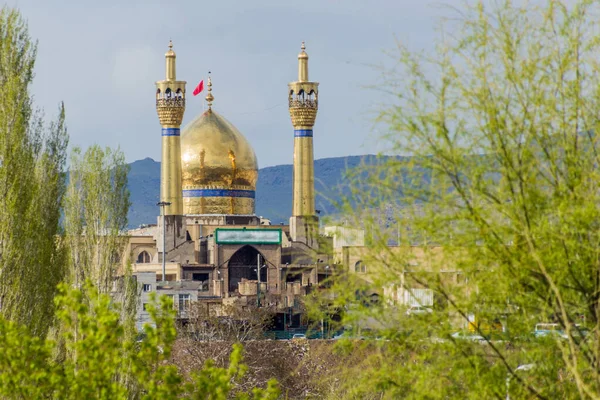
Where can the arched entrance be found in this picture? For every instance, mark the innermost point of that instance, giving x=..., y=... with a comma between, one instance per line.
x=242, y=265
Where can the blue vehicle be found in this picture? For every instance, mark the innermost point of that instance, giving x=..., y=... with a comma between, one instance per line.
x=545, y=330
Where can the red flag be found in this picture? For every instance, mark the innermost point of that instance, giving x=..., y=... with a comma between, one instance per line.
x=199, y=88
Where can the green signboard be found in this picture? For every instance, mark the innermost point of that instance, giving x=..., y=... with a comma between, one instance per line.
x=247, y=236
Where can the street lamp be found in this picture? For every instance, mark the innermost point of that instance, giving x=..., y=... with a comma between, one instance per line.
x=258, y=268
x=220, y=280
x=162, y=205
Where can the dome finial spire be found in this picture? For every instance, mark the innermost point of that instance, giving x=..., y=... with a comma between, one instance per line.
x=171, y=44
x=209, y=97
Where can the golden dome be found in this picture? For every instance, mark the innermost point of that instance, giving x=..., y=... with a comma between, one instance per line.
x=219, y=167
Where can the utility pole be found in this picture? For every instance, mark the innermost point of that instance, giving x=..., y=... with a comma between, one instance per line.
x=258, y=273
x=162, y=205
x=285, y=311
x=328, y=285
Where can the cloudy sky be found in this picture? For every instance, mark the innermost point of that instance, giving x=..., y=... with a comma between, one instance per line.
x=103, y=57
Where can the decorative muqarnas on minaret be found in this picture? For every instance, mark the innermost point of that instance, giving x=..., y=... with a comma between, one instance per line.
x=303, y=106
x=170, y=105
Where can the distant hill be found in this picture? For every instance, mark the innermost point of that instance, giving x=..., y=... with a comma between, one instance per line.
x=144, y=188
x=273, y=190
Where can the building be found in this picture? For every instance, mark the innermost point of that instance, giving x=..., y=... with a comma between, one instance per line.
x=208, y=244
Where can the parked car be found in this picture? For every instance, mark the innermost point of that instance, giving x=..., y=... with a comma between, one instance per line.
x=348, y=335
x=298, y=336
x=473, y=337
x=418, y=310
x=545, y=329
x=551, y=329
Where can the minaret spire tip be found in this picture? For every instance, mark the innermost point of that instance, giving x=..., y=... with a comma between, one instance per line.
x=170, y=63
x=302, y=64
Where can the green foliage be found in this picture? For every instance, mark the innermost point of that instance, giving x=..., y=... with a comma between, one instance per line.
x=101, y=354
x=32, y=185
x=96, y=208
x=96, y=205
x=499, y=214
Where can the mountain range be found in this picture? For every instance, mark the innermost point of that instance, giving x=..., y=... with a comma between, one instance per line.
x=273, y=189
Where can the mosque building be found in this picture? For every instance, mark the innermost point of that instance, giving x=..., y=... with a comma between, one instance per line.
x=213, y=247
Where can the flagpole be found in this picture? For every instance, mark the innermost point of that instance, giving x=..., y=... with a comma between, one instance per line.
x=200, y=88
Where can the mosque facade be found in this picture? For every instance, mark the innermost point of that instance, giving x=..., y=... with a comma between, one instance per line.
x=209, y=241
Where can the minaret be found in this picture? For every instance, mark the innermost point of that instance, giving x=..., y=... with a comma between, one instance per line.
x=170, y=106
x=303, y=105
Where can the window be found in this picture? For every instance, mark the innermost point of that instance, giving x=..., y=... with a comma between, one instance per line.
x=359, y=267
x=184, y=302
x=147, y=287
x=143, y=258
x=144, y=306
x=203, y=278
x=199, y=277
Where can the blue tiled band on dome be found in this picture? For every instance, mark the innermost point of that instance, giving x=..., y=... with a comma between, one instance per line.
x=170, y=131
x=218, y=193
x=303, y=133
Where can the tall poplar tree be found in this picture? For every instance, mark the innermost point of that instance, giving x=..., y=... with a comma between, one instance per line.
x=32, y=185
x=96, y=209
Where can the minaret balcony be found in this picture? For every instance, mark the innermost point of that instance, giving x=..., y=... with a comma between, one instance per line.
x=170, y=111
x=303, y=116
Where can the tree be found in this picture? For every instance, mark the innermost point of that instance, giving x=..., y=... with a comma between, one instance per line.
x=104, y=353
x=96, y=206
x=232, y=322
x=96, y=209
x=497, y=212
x=32, y=185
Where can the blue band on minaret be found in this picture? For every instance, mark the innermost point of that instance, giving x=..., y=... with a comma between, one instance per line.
x=170, y=131
x=303, y=133
x=218, y=193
